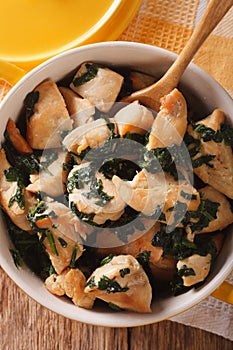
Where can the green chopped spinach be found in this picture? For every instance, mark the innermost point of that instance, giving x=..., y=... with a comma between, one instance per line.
x=62, y=242
x=205, y=159
x=173, y=243
x=73, y=257
x=82, y=216
x=110, y=286
x=123, y=168
x=26, y=164
x=12, y=175
x=114, y=307
x=69, y=163
x=179, y=247
x=188, y=196
x=124, y=272
x=185, y=271
x=107, y=259
x=91, y=72
x=29, y=250
x=168, y=159
x=18, y=261
x=144, y=257
x=79, y=178
x=225, y=133
x=52, y=243
x=91, y=283
x=29, y=102
x=199, y=219
x=96, y=191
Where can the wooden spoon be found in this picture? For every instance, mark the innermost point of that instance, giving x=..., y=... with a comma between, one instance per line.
x=150, y=96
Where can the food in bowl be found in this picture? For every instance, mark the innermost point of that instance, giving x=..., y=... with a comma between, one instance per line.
x=100, y=198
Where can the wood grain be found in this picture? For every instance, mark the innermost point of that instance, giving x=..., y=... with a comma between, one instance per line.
x=26, y=325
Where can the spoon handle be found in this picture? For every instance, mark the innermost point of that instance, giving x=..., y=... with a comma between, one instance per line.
x=215, y=11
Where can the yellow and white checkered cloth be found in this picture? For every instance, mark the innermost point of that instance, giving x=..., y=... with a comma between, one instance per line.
x=169, y=24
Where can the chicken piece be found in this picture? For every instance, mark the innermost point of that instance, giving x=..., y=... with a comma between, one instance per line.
x=123, y=282
x=104, y=205
x=62, y=238
x=140, y=80
x=80, y=109
x=134, y=118
x=56, y=283
x=8, y=189
x=49, y=117
x=75, y=282
x=148, y=192
x=18, y=141
x=101, y=87
x=70, y=282
x=89, y=135
x=170, y=124
x=144, y=193
x=49, y=180
x=218, y=172
x=224, y=212
x=214, y=120
x=200, y=266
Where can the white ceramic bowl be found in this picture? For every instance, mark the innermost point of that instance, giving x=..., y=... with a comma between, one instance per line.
x=200, y=87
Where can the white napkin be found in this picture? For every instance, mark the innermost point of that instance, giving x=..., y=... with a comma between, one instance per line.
x=211, y=315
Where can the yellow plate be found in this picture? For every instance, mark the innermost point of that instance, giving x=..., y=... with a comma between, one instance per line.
x=32, y=30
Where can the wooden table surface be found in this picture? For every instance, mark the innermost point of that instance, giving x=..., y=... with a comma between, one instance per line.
x=25, y=325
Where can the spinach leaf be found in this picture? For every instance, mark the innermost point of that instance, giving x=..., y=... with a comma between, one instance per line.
x=207, y=134
x=107, y=259
x=29, y=102
x=173, y=243
x=79, y=178
x=124, y=272
x=18, y=261
x=143, y=257
x=92, y=70
x=52, y=244
x=30, y=249
x=96, y=191
x=188, y=196
x=12, y=175
x=169, y=159
x=91, y=283
x=186, y=271
x=206, y=159
x=207, y=212
x=193, y=145
x=123, y=168
x=82, y=216
x=62, y=242
x=37, y=213
x=110, y=286
x=73, y=257
x=179, y=247
x=69, y=163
